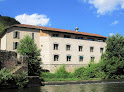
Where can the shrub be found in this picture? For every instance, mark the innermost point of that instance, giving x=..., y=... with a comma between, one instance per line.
x=21, y=79
x=78, y=73
x=5, y=76
x=61, y=72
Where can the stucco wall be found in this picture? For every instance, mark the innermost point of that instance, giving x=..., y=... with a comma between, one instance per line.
x=48, y=52
x=23, y=32
x=4, y=42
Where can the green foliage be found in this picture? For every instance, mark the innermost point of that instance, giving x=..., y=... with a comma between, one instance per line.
x=6, y=21
x=61, y=72
x=78, y=73
x=114, y=56
x=5, y=76
x=21, y=79
x=27, y=47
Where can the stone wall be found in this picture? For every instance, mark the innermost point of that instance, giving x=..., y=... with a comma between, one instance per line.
x=8, y=59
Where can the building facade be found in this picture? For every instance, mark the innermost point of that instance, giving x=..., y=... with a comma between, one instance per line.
x=58, y=46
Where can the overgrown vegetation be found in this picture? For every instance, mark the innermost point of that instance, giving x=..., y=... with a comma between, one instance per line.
x=111, y=65
x=6, y=21
x=12, y=80
x=28, y=48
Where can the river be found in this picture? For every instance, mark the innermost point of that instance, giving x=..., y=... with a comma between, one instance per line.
x=95, y=87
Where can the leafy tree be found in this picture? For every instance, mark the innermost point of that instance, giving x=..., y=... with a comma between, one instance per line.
x=6, y=21
x=114, y=56
x=29, y=49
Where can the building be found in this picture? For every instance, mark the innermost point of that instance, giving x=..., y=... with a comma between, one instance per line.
x=58, y=46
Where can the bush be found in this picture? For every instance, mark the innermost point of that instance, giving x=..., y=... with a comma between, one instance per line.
x=21, y=79
x=78, y=73
x=5, y=76
x=61, y=72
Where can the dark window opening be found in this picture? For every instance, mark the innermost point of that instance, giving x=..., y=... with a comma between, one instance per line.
x=55, y=35
x=68, y=58
x=56, y=57
x=67, y=36
x=90, y=39
x=91, y=49
x=68, y=47
x=81, y=58
x=55, y=46
x=80, y=48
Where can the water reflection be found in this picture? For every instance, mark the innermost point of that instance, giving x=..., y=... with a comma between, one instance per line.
x=103, y=87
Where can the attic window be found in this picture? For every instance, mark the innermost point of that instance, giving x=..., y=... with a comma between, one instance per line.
x=90, y=39
x=67, y=36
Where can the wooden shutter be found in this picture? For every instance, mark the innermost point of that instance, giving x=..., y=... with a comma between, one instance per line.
x=14, y=34
x=13, y=45
x=18, y=34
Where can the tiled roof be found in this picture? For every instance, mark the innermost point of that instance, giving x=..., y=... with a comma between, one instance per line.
x=56, y=29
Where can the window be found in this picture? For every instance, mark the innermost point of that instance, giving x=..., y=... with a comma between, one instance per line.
x=68, y=58
x=101, y=50
x=15, y=45
x=55, y=46
x=91, y=49
x=100, y=40
x=67, y=36
x=80, y=48
x=79, y=38
x=56, y=57
x=81, y=58
x=92, y=59
x=55, y=35
x=16, y=34
x=90, y=39
x=68, y=47
x=32, y=35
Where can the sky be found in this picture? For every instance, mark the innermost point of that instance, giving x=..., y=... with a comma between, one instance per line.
x=104, y=17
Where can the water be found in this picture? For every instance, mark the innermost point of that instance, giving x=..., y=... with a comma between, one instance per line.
x=97, y=87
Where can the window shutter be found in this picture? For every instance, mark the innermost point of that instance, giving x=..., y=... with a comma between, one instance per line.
x=14, y=34
x=13, y=45
x=17, y=44
x=18, y=34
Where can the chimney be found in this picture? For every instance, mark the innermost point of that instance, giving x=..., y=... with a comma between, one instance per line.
x=76, y=29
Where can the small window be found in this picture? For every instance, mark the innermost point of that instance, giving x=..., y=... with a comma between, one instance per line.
x=68, y=58
x=16, y=34
x=79, y=38
x=32, y=35
x=91, y=49
x=81, y=58
x=55, y=46
x=15, y=45
x=68, y=47
x=55, y=35
x=67, y=36
x=92, y=59
x=101, y=50
x=90, y=39
x=56, y=57
x=100, y=40
x=80, y=48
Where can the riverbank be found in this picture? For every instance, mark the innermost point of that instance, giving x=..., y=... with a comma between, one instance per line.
x=81, y=81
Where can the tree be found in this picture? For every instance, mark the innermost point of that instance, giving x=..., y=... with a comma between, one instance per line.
x=6, y=21
x=28, y=48
x=114, y=56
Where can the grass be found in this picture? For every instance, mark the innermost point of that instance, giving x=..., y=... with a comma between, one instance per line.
x=68, y=79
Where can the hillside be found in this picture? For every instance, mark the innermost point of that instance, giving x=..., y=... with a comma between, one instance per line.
x=6, y=21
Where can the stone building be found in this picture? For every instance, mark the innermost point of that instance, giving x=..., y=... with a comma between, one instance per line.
x=58, y=46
